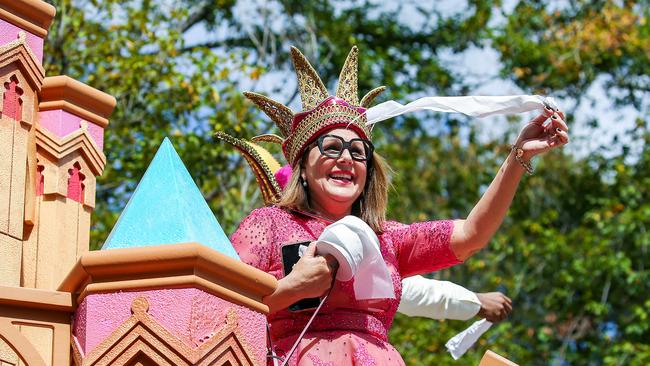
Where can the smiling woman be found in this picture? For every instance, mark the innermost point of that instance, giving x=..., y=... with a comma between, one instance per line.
x=336, y=172
x=343, y=176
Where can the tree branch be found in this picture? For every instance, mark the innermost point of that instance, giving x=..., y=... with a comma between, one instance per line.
x=244, y=42
x=197, y=16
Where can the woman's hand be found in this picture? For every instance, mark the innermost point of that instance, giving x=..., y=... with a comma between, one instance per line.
x=538, y=136
x=311, y=276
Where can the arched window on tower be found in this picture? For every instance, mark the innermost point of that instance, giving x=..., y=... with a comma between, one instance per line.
x=76, y=183
x=12, y=104
x=40, y=179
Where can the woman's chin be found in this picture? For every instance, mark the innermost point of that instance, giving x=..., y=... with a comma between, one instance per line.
x=342, y=195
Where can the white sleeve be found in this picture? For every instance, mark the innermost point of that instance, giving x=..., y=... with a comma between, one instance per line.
x=437, y=299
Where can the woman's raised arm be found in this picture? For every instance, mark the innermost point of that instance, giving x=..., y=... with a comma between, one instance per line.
x=474, y=233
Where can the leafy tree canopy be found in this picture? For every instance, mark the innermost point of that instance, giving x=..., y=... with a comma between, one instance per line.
x=573, y=252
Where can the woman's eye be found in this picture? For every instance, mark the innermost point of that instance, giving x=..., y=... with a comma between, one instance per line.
x=357, y=152
x=332, y=147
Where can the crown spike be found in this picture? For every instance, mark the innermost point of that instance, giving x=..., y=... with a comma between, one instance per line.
x=261, y=161
x=368, y=98
x=269, y=137
x=278, y=112
x=347, y=88
x=312, y=89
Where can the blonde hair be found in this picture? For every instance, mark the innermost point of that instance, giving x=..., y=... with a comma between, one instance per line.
x=370, y=206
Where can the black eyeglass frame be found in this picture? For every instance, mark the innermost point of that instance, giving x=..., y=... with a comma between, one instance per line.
x=346, y=145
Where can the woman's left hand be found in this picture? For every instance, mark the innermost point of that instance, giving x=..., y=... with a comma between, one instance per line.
x=538, y=137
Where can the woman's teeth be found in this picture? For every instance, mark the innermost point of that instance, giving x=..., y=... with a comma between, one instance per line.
x=341, y=177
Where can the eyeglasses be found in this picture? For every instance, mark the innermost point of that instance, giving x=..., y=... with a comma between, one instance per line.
x=333, y=146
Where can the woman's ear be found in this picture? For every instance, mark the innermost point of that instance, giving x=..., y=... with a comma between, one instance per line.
x=303, y=175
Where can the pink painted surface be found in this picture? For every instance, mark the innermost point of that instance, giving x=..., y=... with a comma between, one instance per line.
x=40, y=180
x=192, y=315
x=75, y=183
x=79, y=322
x=9, y=32
x=63, y=123
x=12, y=104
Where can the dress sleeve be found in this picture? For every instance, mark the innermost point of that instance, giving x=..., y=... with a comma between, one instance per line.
x=423, y=247
x=253, y=239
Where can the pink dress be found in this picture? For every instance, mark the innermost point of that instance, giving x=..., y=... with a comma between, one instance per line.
x=346, y=331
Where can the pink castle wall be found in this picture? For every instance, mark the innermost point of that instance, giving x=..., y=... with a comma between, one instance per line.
x=9, y=32
x=63, y=123
x=190, y=314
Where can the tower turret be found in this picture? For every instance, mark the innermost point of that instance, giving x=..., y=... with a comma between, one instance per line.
x=69, y=144
x=22, y=29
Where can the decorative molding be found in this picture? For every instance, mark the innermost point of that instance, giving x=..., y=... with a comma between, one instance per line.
x=70, y=95
x=170, y=266
x=141, y=335
x=36, y=299
x=20, y=344
x=19, y=51
x=35, y=16
x=78, y=140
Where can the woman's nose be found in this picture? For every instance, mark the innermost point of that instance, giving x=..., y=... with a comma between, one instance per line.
x=345, y=156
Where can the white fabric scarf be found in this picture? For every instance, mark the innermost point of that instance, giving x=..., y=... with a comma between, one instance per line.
x=473, y=106
x=356, y=248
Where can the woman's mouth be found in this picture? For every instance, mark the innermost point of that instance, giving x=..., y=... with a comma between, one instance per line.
x=341, y=178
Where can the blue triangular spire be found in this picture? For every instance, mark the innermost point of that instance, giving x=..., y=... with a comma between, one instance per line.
x=167, y=208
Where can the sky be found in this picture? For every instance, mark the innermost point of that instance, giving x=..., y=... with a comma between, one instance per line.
x=479, y=66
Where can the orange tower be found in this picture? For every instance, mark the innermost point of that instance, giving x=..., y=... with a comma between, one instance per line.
x=51, y=138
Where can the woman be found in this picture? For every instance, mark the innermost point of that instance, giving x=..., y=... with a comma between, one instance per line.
x=336, y=172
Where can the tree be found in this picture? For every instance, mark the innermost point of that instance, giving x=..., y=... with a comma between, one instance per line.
x=571, y=254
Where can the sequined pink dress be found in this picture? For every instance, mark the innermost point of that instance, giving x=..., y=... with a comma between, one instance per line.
x=346, y=331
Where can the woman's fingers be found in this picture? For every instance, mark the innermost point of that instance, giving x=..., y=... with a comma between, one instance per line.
x=558, y=139
x=311, y=250
x=558, y=122
x=539, y=120
x=331, y=262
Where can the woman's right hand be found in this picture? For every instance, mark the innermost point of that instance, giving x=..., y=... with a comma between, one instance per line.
x=313, y=274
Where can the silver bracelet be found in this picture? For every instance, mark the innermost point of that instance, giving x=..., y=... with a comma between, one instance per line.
x=519, y=153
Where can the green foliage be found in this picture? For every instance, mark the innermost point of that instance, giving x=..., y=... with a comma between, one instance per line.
x=573, y=252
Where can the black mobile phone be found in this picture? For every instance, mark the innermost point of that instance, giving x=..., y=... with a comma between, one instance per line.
x=290, y=256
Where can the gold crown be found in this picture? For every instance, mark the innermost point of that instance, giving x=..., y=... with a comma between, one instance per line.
x=316, y=116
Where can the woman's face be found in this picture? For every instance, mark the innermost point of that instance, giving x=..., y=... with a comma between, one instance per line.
x=334, y=183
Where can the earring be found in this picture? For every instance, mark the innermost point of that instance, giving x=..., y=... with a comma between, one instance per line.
x=304, y=183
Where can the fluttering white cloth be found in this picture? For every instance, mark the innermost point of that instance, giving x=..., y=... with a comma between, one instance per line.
x=356, y=247
x=461, y=342
x=473, y=106
x=437, y=299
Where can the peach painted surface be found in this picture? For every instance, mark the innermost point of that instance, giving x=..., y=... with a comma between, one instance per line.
x=190, y=314
x=9, y=32
x=63, y=123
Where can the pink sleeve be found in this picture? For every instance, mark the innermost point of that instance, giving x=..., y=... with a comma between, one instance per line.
x=253, y=239
x=423, y=247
